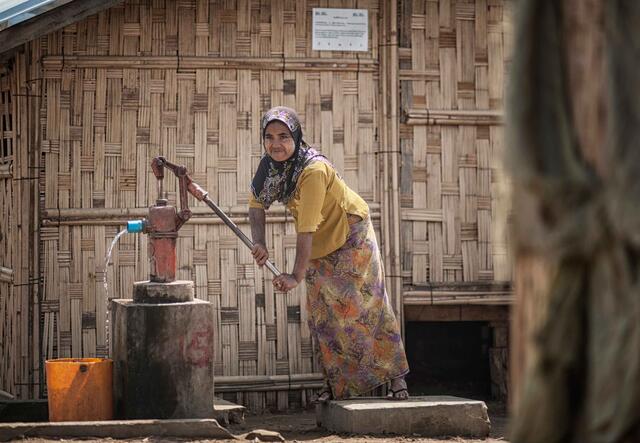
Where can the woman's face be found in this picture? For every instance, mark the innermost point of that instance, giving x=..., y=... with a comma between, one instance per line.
x=278, y=141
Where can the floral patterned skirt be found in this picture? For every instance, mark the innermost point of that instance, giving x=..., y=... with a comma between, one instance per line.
x=358, y=337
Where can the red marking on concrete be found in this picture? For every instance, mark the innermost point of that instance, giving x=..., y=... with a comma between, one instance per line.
x=197, y=348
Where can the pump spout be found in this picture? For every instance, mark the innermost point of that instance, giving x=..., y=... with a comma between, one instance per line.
x=135, y=226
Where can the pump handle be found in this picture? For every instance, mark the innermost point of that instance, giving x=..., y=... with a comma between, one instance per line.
x=187, y=185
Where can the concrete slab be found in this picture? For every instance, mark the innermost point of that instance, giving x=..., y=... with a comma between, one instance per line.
x=431, y=416
x=187, y=428
x=226, y=412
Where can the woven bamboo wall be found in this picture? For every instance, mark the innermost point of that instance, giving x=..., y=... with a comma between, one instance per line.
x=453, y=63
x=189, y=80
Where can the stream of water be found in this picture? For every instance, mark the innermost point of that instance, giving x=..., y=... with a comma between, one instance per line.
x=106, y=291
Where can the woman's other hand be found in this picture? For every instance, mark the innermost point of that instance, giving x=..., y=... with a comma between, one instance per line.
x=260, y=253
x=285, y=282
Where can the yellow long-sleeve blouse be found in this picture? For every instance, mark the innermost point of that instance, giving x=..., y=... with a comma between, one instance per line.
x=320, y=204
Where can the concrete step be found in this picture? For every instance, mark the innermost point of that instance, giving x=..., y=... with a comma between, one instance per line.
x=227, y=413
x=429, y=416
x=185, y=428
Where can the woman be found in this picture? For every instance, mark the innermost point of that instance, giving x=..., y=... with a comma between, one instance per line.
x=359, y=341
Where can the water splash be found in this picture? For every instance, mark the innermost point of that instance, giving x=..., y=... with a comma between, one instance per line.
x=106, y=290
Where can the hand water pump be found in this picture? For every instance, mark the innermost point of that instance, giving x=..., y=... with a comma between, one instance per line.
x=164, y=221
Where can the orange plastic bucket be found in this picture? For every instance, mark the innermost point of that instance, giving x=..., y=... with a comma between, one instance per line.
x=80, y=389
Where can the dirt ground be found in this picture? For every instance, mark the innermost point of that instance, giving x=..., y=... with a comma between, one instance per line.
x=300, y=426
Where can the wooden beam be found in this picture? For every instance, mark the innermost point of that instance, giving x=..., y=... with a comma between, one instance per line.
x=459, y=293
x=457, y=313
x=239, y=214
x=55, y=63
x=467, y=286
x=256, y=383
x=453, y=117
x=17, y=35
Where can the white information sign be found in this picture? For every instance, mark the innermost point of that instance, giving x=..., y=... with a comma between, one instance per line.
x=340, y=29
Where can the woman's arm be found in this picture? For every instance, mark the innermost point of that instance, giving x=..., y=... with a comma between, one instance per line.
x=312, y=188
x=286, y=282
x=257, y=220
x=303, y=252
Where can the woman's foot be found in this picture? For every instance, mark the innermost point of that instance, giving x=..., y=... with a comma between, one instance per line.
x=398, y=389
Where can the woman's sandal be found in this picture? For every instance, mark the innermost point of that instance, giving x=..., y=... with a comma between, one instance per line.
x=397, y=394
x=323, y=396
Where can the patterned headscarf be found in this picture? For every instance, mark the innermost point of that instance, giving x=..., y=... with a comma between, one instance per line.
x=277, y=180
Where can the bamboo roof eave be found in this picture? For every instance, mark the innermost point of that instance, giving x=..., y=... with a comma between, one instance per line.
x=15, y=36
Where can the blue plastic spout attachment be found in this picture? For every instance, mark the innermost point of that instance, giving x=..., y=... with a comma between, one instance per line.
x=135, y=226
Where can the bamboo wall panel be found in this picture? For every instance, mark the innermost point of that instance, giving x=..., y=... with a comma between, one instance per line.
x=8, y=338
x=453, y=58
x=209, y=70
x=19, y=332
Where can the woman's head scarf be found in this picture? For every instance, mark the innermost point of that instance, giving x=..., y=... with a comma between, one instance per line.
x=277, y=180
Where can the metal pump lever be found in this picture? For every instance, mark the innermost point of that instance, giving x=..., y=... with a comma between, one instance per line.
x=186, y=184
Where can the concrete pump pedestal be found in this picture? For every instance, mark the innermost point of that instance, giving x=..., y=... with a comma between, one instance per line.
x=163, y=357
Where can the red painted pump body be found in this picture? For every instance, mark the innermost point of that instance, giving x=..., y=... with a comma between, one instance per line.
x=162, y=226
x=164, y=221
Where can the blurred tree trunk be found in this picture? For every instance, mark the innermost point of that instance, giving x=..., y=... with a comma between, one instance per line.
x=574, y=158
x=583, y=28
